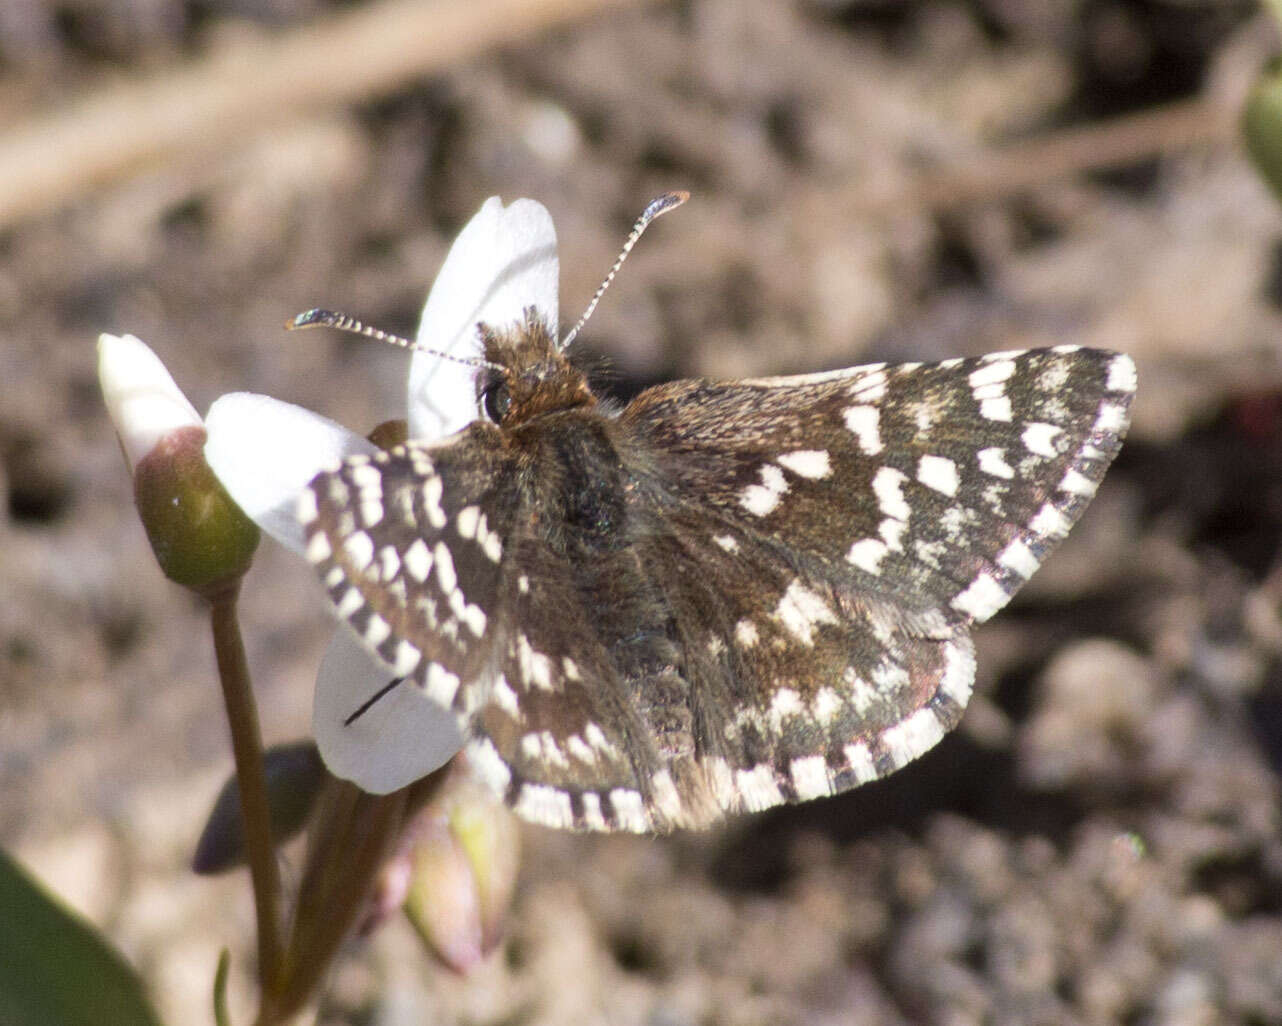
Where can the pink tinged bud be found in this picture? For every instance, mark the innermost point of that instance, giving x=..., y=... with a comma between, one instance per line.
x=491, y=836
x=444, y=901
x=200, y=537
x=466, y=854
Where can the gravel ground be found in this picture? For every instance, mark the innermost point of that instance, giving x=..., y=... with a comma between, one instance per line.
x=1097, y=843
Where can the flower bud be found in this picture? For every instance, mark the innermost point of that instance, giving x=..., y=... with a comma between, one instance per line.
x=463, y=873
x=294, y=775
x=200, y=537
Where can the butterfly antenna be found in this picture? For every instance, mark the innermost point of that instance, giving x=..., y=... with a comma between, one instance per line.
x=657, y=207
x=329, y=319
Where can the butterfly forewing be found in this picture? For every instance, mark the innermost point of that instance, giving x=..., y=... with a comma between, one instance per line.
x=937, y=484
x=729, y=595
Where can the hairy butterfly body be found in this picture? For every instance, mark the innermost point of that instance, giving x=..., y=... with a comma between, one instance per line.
x=724, y=596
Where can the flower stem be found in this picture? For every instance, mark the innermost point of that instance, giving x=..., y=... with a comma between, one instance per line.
x=352, y=836
x=247, y=748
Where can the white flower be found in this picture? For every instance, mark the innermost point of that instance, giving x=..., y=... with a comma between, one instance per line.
x=144, y=402
x=266, y=451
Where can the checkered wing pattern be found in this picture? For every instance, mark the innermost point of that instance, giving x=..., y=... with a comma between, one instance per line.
x=727, y=596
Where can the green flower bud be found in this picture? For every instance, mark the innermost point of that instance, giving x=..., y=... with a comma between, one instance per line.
x=200, y=537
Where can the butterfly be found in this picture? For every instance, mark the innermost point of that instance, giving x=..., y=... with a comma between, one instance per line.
x=722, y=596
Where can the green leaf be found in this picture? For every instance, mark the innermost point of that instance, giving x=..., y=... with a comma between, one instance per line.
x=55, y=969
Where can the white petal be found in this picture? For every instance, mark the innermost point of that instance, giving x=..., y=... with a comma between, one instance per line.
x=265, y=451
x=502, y=261
x=144, y=403
x=401, y=737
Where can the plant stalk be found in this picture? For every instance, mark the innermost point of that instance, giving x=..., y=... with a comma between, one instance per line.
x=247, y=749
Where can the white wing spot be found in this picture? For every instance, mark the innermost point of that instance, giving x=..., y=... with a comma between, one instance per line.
x=1018, y=558
x=872, y=387
x=959, y=672
x=433, y=489
x=982, y=599
x=909, y=738
x=1111, y=419
x=1054, y=376
x=629, y=810
x=1040, y=439
x=745, y=633
x=720, y=781
x=758, y=788
x=351, y=603
x=1076, y=483
x=467, y=520
x=475, y=618
x=812, y=464
x=366, y=477
x=592, y=815
x=418, y=561
x=727, y=542
x=505, y=698
x=487, y=762
x=407, y=659
x=1049, y=522
x=860, y=761
x=810, y=777
x=867, y=554
x=665, y=796
x=785, y=702
x=887, y=486
x=825, y=706
x=377, y=630
x=996, y=409
x=389, y=563
x=445, y=568
x=359, y=548
x=579, y=749
x=545, y=804
x=864, y=423
x=318, y=548
x=441, y=685
x=801, y=611
x=536, y=668
x=991, y=373
x=859, y=693
x=762, y=499
x=595, y=736
x=939, y=473
x=1121, y=374
x=993, y=462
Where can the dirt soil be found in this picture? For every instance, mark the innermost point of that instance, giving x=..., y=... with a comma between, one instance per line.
x=1098, y=842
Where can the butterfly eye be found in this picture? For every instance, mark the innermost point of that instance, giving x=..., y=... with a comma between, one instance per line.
x=496, y=401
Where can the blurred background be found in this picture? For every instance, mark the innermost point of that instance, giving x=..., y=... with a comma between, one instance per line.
x=883, y=180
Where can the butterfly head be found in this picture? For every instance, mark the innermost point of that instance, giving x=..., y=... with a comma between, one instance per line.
x=526, y=373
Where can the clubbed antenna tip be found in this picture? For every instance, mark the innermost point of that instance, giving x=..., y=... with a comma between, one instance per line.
x=655, y=208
